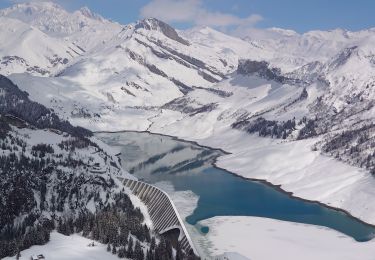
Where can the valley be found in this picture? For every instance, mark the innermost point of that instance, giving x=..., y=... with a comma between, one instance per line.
x=272, y=131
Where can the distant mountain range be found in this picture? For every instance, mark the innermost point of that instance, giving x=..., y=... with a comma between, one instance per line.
x=193, y=83
x=94, y=71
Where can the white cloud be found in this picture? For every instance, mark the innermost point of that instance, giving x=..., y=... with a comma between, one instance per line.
x=192, y=11
x=171, y=10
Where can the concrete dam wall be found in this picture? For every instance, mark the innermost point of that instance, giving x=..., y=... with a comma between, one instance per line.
x=163, y=212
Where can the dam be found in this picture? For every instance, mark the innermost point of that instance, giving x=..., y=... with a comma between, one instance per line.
x=162, y=211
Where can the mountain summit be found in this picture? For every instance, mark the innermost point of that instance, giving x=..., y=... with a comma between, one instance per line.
x=166, y=29
x=296, y=110
x=82, y=27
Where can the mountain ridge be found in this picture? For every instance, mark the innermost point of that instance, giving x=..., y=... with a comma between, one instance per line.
x=152, y=51
x=294, y=110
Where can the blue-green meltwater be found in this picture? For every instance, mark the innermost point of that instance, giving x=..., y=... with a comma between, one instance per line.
x=187, y=166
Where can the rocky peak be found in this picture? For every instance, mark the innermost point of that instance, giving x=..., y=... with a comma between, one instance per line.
x=85, y=11
x=31, y=8
x=153, y=24
x=342, y=57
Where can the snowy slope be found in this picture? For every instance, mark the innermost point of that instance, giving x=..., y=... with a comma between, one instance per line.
x=145, y=66
x=27, y=49
x=263, y=239
x=43, y=38
x=276, y=93
x=82, y=27
x=150, y=76
x=149, y=64
x=51, y=172
x=74, y=247
x=290, y=50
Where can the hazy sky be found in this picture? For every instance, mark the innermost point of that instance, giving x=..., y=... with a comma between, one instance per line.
x=236, y=15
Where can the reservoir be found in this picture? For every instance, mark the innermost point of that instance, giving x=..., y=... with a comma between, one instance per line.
x=189, y=167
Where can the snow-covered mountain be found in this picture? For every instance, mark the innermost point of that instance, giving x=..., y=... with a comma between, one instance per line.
x=82, y=27
x=27, y=49
x=148, y=68
x=42, y=38
x=57, y=176
x=46, y=164
x=276, y=90
x=290, y=50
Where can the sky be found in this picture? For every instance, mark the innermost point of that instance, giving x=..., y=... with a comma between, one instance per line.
x=235, y=16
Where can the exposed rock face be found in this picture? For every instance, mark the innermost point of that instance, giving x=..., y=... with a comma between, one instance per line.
x=188, y=106
x=343, y=57
x=167, y=30
x=260, y=68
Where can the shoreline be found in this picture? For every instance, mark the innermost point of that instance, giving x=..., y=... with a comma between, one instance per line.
x=263, y=181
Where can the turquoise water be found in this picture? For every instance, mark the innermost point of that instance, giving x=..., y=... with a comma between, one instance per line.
x=155, y=158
